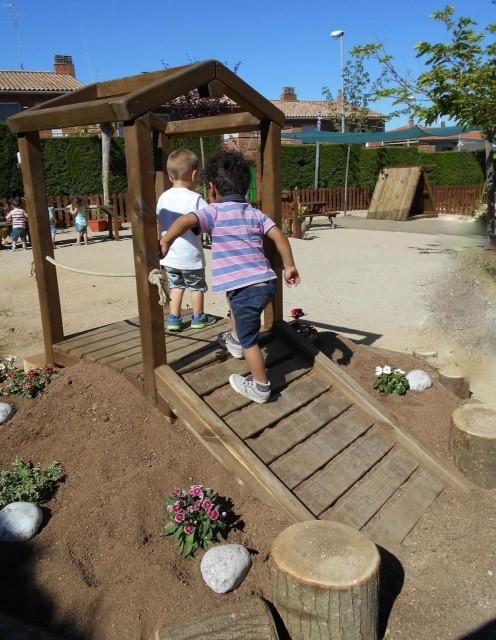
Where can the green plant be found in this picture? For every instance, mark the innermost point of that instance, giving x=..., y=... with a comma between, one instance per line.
x=27, y=483
x=14, y=382
x=195, y=519
x=391, y=380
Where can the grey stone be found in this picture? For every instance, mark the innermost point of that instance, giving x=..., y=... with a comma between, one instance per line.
x=6, y=412
x=225, y=567
x=19, y=521
x=418, y=380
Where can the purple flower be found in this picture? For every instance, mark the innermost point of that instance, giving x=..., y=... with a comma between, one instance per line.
x=176, y=507
x=214, y=515
x=189, y=528
x=207, y=505
x=179, y=517
x=196, y=491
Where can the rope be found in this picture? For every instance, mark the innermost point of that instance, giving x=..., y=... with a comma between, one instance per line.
x=90, y=273
x=156, y=277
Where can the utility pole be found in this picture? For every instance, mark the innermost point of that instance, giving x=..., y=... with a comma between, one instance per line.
x=14, y=16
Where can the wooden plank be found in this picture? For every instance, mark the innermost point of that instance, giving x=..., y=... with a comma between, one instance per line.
x=213, y=125
x=226, y=400
x=255, y=418
x=306, y=459
x=207, y=381
x=400, y=518
x=111, y=339
x=326, y=486
x=114, y=349
x=195, y=361
x=127, y=359
x=363, y=503
x=225, y=445
x=373, y=408
x=297, y=427
x=89, y=336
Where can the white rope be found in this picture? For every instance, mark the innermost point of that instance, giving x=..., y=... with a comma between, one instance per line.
x=90, y=273
x=156, y=277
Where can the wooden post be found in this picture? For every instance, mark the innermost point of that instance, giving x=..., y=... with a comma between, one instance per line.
x=41, y=241
x=161, y=150
x=325, y=578
x=473, y=443
x=140, y=174
x=271, y=205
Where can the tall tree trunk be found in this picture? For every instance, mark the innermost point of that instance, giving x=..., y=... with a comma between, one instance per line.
x=107, y=130
x=491, y=226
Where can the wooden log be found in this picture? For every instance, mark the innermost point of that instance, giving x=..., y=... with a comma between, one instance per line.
x=250, y=619
x=325, y=579
x=455, y=380
x=424, y=353
x=473, y=443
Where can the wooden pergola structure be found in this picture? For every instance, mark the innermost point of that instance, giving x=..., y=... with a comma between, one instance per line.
x=132, y=101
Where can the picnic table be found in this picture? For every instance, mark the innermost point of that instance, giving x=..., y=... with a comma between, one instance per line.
x=312, y=208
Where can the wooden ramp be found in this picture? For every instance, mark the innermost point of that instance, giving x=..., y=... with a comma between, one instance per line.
x=322, y=447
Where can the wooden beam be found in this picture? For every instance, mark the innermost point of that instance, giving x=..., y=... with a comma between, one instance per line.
x=271, y=204
x=41, y=241
x=129, y=84
x=161, y=150
x=213, y=125
x=247, y=97
x=226, y=446
x=140, y=175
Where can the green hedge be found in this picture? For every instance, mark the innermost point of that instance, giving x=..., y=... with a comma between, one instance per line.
x=73, y=165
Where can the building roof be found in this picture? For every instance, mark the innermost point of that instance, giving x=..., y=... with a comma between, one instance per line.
x=42, y=81
x=310, y=108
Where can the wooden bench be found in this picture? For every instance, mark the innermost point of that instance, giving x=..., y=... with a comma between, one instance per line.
x=312, y=209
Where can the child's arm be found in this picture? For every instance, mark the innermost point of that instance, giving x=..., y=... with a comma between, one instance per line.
x=291, y=275
x=177, y=228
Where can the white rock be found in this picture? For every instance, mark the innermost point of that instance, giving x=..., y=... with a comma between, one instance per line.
x=6, y=412
x=19, y=521
x=418, y=380
x=225, y=567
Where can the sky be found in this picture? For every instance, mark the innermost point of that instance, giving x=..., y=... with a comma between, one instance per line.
x=277, y=44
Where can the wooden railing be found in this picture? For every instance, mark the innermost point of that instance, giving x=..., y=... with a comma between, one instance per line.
x=459, y=200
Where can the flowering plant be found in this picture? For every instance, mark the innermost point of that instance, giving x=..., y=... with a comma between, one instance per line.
x=391, y=380
x=195, y=519
x=303, y=328
x=14, y=382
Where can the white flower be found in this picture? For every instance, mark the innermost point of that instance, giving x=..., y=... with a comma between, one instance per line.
x=399, y=371
x=378, y=371
x=10, y=358
x=386, y=369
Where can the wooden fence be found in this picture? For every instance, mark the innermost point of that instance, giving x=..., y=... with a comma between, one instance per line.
x=459, y=200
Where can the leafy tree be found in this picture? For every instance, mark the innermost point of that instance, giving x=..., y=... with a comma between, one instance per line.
x=460, y=83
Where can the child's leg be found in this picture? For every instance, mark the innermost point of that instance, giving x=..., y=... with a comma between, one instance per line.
x=176, y=299
x=197, y=300
x=85, y=236
x=78, y=237
x=255, y=360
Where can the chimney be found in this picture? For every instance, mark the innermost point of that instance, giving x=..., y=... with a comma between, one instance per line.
x=443, y=123
x=63, y=65
x=288, y=94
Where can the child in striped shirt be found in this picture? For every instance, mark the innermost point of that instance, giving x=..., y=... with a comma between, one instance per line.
x=19, y=220
x=239, y=265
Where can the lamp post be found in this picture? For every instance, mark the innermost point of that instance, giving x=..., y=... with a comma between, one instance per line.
x=339, y=34
x=317, y=152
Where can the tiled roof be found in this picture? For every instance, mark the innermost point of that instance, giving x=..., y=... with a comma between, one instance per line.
x=310, y=108
x=37, y=81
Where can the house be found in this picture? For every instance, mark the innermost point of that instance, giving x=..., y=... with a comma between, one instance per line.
x=21, y=90
x=436, y=141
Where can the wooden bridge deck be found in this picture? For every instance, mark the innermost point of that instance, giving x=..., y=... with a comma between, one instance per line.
x=322, y=447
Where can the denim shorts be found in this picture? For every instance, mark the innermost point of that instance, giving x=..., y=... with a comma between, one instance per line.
x=189, y=279
x=247, y=305
x=19, y=234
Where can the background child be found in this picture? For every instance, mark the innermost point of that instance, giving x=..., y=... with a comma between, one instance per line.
x=185, y=262
x=53, y=225
x=239, y=266
x=19, y=220
x=80, y=220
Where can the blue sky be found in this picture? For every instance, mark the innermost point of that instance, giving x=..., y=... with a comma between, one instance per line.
x=278, y=43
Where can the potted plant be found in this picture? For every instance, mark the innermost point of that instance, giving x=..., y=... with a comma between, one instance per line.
x=98, y=220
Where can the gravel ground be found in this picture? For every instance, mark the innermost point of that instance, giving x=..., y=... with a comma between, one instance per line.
x=395, y=285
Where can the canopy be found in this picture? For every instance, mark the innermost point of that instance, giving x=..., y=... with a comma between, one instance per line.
x=411, y=133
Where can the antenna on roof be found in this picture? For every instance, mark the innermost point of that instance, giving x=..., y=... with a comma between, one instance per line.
x=14, y=16
x=87, y=55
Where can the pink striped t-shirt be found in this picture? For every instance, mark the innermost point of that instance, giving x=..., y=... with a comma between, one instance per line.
x=237, y=231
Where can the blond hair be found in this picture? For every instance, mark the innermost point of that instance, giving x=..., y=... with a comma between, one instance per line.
x=181, y=163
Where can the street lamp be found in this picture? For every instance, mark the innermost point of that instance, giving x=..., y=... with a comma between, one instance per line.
x=339, y=34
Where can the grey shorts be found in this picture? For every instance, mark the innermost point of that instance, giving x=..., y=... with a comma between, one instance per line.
x=189, y=279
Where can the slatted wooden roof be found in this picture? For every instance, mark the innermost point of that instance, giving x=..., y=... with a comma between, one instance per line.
x=129, y=98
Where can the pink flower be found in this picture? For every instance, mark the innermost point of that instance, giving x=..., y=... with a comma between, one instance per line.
x=175, y=493
x=176, y=507
x=32, y=374
x=297, y=313
x=196, y=491
x=207, y=505
x=197, y=505
x=189, y=528
x=214, y=515
x=179, y=517
x=48, y=369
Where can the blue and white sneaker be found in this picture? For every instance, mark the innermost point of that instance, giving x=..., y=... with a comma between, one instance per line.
x=202, y=321
x=174, y=323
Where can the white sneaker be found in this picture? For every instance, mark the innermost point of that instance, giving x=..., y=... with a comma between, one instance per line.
x=227, y=341
x=249, y=388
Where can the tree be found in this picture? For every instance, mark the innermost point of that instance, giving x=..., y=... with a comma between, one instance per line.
x=459, y=83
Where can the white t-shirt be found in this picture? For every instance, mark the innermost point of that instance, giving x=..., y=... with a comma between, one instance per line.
x=186, y=252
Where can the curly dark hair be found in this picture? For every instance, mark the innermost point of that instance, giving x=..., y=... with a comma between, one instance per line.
x=229, y=171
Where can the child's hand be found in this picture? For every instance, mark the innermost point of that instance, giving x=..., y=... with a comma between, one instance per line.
x=291, y=277
x=164, y=246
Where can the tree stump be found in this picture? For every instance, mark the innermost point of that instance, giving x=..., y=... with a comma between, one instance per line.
x=473, y=443
x=325, y=579
x=425, y=353
x=455, y=380
x=250, y=619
